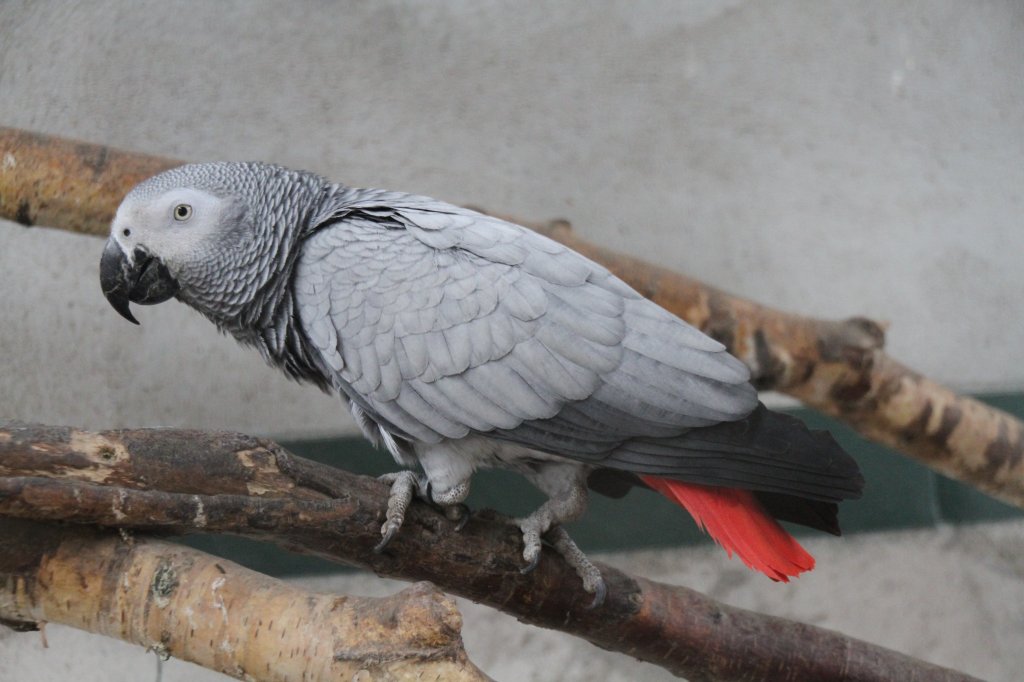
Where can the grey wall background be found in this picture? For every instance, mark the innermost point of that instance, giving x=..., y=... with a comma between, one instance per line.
x=829, y=158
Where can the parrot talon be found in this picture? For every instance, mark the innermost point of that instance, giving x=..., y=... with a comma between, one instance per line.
x=386, y=540
x=600, y=593
x=458, y=513
x=590, y=574
x=403, y=485
x=530, y=565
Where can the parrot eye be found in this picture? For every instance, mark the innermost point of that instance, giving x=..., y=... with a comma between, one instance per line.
x=182, y=212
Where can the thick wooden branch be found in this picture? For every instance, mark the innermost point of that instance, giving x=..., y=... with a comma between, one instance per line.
x=838, y=367
x=184, y=603
x=186, y=481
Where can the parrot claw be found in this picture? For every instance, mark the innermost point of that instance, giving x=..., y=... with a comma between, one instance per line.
x=388, y=532
x=600, y=593
x=459, y=513
x=530, y=564
x=403, y=485
x=562, y=506
x=590, y=574
x=531, y=546
x=559, y=538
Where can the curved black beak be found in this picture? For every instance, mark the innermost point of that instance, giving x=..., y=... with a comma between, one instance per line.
x=144, y=280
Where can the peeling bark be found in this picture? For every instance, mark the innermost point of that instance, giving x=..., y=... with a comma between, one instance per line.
x=837, y=367
x=187, y=481
x=181, y=602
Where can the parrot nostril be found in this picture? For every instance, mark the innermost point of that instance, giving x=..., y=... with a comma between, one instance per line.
x=126, y=232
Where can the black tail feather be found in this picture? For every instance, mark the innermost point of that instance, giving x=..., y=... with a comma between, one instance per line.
x=797, y=474
x=765, y=451
x=814, y=514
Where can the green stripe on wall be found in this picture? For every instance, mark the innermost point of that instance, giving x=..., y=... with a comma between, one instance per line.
x=900, y=493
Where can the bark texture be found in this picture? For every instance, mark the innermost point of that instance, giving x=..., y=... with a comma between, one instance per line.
x=184, y=603
x=185, y=481
x=837, y=367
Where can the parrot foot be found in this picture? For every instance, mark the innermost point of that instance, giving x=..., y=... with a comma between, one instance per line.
x=407, y=484
x=404, y=484
x=451, y=503
x=567, y=502
x=563, y=543
x=593, y=583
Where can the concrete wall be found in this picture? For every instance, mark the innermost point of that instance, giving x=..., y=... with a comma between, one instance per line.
x=830, y=158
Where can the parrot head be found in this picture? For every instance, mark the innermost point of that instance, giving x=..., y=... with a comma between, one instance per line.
x=155, y=236
x=206, y=234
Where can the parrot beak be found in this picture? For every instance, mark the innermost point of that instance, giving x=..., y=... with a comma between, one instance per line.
x=144, y=279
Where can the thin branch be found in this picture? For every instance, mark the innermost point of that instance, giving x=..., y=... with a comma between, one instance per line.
x=837, y=367
x=186, y=481
x=182, y=602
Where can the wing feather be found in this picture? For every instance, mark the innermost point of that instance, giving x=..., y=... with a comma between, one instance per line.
x=447, y=322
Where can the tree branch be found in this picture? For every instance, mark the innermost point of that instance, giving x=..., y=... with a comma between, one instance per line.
x=186, y=481
x=837, y=367
x=182, y=602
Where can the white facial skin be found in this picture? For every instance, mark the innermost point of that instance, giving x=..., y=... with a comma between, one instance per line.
x=173, y=226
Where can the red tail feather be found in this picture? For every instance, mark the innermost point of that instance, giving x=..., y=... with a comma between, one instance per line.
x=738, y=522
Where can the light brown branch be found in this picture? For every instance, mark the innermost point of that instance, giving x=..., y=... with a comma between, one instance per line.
x=184, y=603
x=837, y=367
x=56, y=182
x=186, y=481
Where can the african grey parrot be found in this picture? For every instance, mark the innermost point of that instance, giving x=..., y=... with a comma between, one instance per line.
x=461, y=341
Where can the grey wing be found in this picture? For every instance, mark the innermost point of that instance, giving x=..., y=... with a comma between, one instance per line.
x=441, y=322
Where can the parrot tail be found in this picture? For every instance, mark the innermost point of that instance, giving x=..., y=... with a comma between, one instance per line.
x=738, y=522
